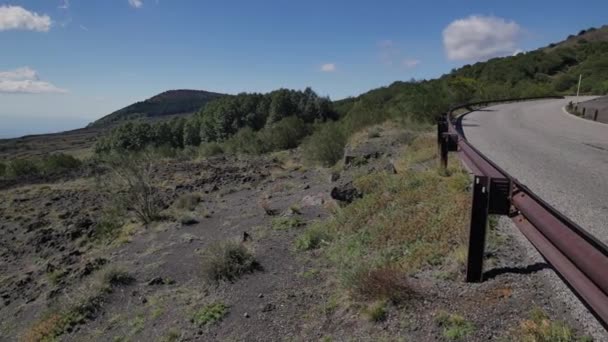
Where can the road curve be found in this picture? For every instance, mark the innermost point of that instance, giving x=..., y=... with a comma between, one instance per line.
x=562, y=158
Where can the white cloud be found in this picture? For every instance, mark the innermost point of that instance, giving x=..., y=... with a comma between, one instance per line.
x=329, y=67
x=18, y=18
x=25, y=80
x=136, y=3
x=479, y=38
x=410, y=63
x=65, y=4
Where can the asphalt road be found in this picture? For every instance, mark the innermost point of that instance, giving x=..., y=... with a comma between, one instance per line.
x=562, y=158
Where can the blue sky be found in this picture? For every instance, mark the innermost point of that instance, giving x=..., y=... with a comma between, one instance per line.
x=64, y=64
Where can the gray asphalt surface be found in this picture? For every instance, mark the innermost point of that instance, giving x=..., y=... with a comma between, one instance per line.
x=562, y=158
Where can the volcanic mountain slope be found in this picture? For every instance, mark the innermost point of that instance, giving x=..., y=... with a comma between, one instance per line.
x=167, y=103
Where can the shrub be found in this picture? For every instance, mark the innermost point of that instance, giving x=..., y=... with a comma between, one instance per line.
x=326, y=145
x=114, y=276
x=130, y=185
x=210, y=314
x=228, y=261
x=283, y=135
x=245, y=141
x=60, y=162
x=23, y=168
x=2, y=169
x=210, y=149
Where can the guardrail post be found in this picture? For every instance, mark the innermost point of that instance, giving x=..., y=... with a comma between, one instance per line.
x=444, y=152
x=597, y=111
x=477, y=233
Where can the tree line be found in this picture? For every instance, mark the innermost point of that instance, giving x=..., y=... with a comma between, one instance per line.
x=263, y=115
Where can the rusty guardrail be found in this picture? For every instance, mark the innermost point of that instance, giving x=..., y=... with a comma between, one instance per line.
x=578, y=258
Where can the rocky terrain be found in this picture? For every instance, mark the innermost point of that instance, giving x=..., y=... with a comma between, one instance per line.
x=54, y=255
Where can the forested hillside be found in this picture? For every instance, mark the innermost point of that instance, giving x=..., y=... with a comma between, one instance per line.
x=258, y=123
x=551, y=70
x=167, y=103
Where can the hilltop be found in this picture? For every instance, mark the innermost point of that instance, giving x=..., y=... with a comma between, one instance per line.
x=167, y=103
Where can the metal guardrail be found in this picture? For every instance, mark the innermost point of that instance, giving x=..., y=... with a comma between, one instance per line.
x=578, y=258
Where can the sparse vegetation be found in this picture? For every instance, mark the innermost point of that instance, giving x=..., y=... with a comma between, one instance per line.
x=210, y=314
x=28, y=167
x=455, y=327
x=539, y=328
x=228, y=261
x=80, y=308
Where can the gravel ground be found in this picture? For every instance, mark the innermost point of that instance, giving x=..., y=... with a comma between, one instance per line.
x=562, y=158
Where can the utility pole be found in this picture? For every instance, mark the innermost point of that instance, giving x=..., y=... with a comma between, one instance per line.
x=578, y=89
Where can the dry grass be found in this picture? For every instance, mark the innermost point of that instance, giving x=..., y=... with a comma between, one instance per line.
x=539, y=328
x=384, y=283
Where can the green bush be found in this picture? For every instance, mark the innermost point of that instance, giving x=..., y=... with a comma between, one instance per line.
x=2, y=169
x=210, y=149
x=245, y=141
x=283, y=135
x=60, y=162
x=313, y=238
x=325, y=146
x=22, y=168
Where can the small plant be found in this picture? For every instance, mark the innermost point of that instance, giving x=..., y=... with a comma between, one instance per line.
x=377, y=311
x=455, y=327
x=114, y=276
x=210, y=314
x=188, y=219
x=172, y=336
x=228, y=261
x=382, y=283
x=313, y=238
x=2, y=169
x=188, y=201
x=284, y=223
